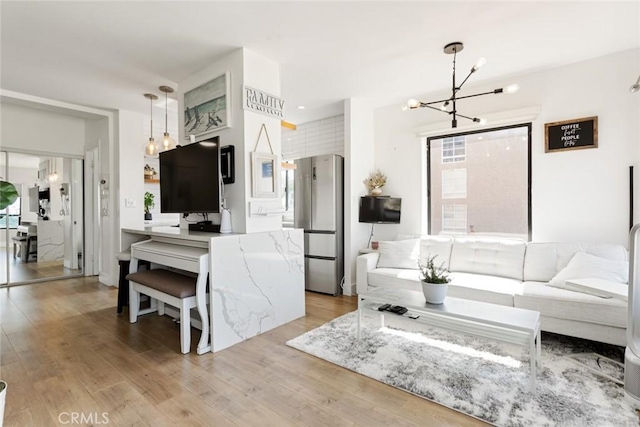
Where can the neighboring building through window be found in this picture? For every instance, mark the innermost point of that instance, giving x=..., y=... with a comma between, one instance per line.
x=454, y=149
x=491, y=194
x=454, y=183
x=454, y=219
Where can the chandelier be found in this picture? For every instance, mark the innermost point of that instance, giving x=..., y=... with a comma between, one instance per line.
x=451, y=102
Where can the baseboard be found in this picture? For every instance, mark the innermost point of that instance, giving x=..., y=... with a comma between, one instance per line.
x=105, y=279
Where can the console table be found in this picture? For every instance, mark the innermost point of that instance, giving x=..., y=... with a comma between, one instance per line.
x=186, y=258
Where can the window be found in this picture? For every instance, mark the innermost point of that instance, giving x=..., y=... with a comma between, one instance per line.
x=454, y=183
x=11, y=213
x=454, y=219
x=454, y=149
x=491, y=195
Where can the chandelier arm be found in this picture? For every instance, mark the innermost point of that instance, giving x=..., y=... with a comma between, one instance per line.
x=464, y=81
x=437, y=109
x=473, y=119
x=424, y=104
x=493, y=92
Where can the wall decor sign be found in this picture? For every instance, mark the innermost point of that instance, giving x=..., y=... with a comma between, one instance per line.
x=264, y=170
x=207, y=107
x=262, y=102
x=573, y=134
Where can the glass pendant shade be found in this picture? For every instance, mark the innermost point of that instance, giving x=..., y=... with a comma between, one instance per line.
x=167, y=142
x=151, y=149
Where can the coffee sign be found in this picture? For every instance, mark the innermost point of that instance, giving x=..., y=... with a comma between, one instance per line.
x=571, y=134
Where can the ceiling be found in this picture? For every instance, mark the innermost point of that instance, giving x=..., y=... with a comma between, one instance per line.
x=107, y=54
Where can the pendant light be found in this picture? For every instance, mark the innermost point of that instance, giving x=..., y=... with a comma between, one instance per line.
x=151, y=148
x=449, y=105
x=53, y=175
x=167, y=142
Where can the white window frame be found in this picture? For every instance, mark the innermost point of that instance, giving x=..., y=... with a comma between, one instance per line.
x=457, y=224
x=454, y=183
x=458, y=154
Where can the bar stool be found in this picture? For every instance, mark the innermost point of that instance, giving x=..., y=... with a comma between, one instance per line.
x=124, y=262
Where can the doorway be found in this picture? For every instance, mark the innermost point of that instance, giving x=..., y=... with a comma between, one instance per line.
x=43, y=230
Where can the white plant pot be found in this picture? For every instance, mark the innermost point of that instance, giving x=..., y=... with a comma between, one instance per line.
x=434, y=293
x=3, y=397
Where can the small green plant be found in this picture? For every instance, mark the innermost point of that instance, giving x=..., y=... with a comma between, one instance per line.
x=148, y=201
x=432, y=273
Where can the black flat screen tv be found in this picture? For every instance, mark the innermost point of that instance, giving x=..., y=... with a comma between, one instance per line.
x=190, y=178
x=380, y=210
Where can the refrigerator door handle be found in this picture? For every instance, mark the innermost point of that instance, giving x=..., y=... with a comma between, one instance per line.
x=314, y=173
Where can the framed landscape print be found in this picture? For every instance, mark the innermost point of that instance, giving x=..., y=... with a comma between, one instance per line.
x=206, y=107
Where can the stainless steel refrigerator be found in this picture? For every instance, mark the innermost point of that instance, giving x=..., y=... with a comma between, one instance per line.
x=318, y=209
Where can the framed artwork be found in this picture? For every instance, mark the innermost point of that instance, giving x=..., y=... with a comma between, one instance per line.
x=264, y=175
x=207, y=107
x=576, y=134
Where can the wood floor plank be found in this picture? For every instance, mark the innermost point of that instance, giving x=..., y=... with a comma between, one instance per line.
x=67, y=349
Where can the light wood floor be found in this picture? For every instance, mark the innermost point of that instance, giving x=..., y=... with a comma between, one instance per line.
x=64, y=349
x=24, y=271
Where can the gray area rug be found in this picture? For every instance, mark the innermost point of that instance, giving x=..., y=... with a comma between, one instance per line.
x=486, y=379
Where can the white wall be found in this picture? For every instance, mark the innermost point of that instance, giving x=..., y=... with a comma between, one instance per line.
x=315, y=138
x=358, y=163
x=27, y=128
x=262, y=74
x=233, y=135
x=130, y=179
x=577, y=195
x=244, y=67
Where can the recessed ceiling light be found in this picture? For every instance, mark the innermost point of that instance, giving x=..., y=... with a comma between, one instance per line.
x=301, y=107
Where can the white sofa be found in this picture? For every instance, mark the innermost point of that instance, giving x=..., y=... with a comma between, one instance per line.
x=507, y=272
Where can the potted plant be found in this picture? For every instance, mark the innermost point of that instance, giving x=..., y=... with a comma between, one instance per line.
x=148, y=204
x=434, y=280
x=8, y=195
x=375, y=182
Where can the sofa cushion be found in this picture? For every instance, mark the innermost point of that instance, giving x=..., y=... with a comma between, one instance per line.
x=395, y=278
x=563, y=304
x=496, y=290
x=399, y=254
x=479, y=287
x=584, y=265
x=542, y=261
x=438, y=246
x=486, y=255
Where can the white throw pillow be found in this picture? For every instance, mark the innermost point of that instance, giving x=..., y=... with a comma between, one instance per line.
x=399, y=254
x=584, y=266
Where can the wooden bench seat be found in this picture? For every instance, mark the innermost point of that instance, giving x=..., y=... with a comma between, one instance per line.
x=166, y=286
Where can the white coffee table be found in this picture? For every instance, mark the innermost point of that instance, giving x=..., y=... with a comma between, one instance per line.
x=513, y=325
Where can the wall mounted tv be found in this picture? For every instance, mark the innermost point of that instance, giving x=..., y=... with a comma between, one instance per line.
x=380, y=210
x=190, y=178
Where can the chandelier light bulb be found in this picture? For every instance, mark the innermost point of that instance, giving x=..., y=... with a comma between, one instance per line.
x=483, y=122
x=513, y=88
x=443, y=107
x=413, y=103
x=479, y=63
